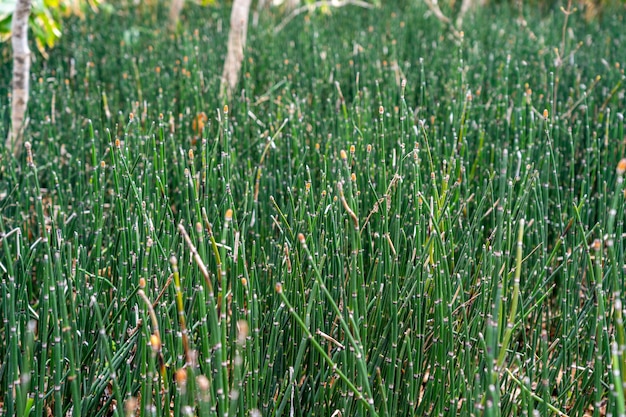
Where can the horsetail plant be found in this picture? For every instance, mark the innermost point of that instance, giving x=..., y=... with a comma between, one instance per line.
x=372, y=225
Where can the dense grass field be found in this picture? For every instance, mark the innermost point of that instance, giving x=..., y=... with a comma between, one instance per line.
x=385, y=220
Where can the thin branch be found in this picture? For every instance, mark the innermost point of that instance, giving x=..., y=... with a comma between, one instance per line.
x=583, y=97
x=567, y=12
x=433, y=6
x=314, y=6
x=466, y=5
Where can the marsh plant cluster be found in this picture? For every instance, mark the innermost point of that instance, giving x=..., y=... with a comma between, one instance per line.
x=385, y=220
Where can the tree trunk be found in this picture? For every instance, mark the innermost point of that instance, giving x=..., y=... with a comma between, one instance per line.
x=175, y=8
x=236, y=44
x=291, y=5
x=21, y=74
x=260, y=5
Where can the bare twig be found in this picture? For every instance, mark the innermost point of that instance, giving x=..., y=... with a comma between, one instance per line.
x=330, y=339
x=346, y=207
x=465, y=6
x=567, y=12
x=583, y=97
x=196, y=257
x=433, y=6
x=560, y=52
x=312, y=7
x=614, y=90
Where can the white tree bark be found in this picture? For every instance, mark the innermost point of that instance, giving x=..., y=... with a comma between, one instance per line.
x=260, y=5
x=175, y=8
x=291, y=5
x=236, y=43
x=21, y=74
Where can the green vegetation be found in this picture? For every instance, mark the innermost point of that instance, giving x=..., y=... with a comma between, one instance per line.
x=384, y=222
x=45, y=19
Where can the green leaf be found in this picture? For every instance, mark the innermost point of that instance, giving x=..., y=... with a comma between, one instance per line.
x=5, y=26
x=29, y=406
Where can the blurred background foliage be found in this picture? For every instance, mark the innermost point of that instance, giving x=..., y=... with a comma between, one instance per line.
x=45, y=19
x=47, y=15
